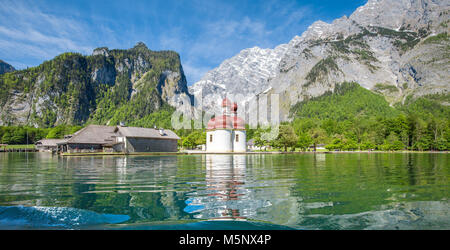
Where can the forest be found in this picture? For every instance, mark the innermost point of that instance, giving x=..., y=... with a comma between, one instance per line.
x=349, y=118
x=354, y=118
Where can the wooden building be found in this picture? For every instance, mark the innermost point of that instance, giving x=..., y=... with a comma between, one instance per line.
x=98, y=138
x=134, y=139
x=48, y=145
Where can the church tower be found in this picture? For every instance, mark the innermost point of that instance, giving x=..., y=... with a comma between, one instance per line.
x=226, y=133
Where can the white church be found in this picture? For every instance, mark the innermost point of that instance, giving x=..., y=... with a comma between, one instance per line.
x=226, y=133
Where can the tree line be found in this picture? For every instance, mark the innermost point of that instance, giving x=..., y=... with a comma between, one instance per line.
x=404, y=132
x=17, y=135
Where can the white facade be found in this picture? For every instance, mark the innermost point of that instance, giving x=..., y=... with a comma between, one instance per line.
x=226, y=133
x=226, y=141
x=239, y=141
x=219, y=141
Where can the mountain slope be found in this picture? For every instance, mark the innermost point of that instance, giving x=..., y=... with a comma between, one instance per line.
x=346, y=101
x=106, y=87
x=5, y=67
x=396, y=48
x=399, y=60
x=244, y=74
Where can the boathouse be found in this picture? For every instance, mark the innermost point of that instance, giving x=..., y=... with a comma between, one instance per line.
x=47, y=145
x=98, y=138
x=135, y=139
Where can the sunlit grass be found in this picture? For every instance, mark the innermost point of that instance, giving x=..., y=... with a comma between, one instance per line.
x=25, y=146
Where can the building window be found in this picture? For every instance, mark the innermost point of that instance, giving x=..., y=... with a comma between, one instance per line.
x=237, y=138
x=210, y=138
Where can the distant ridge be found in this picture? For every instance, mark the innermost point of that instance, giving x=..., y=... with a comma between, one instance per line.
x=107, y=87
x=5, y=67
x=399, y=48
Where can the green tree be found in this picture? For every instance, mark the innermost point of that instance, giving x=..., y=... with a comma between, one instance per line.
x=317, y=135
x=336, y=144
x=6, y=138
x=304, y=141
x=286, y=137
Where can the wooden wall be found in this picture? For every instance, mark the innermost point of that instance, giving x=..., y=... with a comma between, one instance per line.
x=151, y=145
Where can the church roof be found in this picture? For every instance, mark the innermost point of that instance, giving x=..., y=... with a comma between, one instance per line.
x=226, y=122
x=226, y=102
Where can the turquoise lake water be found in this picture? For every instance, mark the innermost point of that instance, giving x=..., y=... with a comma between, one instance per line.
x=301, y=191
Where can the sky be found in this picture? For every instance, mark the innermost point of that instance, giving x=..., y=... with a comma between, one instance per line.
x=203, y=32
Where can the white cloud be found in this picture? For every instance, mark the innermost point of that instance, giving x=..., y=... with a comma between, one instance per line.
x=28, y=32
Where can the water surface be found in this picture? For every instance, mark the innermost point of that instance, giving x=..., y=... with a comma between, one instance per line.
x=301, y=191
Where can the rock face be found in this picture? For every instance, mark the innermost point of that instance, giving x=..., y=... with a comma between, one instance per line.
x=245, y=74
x=397, y=48
x=5, y=67
x=107, y=87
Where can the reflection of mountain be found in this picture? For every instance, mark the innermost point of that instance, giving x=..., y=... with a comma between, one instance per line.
x=314, y=191
x=135, y=186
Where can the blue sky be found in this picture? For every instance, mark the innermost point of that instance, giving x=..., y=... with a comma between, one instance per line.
x=203, y=32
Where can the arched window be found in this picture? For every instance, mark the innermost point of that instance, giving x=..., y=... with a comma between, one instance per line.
x=210, y=138
x=237, y=138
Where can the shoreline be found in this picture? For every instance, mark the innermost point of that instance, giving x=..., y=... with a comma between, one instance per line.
x=195, y=152
x=246, y=153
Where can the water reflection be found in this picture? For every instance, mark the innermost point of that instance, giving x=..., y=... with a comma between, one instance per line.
x=224, y=196
x=319, y=191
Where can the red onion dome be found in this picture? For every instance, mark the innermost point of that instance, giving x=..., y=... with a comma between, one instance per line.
x=211, y=124
x=226, y=102
x=224, y=121
x=238, y=123
x=234, y=107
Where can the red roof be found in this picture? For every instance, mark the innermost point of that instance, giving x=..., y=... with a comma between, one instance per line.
x=234, y=107
x=226, y=122
x=226, y=102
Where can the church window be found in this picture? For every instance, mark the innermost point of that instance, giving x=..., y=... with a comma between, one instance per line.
x=210, y=138
x=237, y=138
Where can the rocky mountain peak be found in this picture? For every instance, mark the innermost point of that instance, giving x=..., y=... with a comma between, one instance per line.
x=105, y=88
x=5, y=67
x=101, y=51
x=140, y=45
x=401, y=14
x=388, y=46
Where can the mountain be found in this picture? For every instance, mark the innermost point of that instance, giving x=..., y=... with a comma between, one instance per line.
x=5, y=67
x=106, y=87
x=397, y=48
x=347, y=101
x=245, y=74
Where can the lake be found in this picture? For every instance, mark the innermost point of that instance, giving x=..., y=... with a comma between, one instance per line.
x=258, y=191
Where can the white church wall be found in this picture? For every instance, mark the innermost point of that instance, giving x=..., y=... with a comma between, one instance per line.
x=239, y=141
x=221, y=141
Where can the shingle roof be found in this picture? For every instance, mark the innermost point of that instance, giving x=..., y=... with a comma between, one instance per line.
x=94, y=134
x=147, y=133
x=50, y=142
x=98, y=134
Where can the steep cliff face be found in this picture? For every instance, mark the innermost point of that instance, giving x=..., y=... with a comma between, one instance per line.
x=106, y=87
x=244, y=74
x=5, y=67
x=397, y=48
